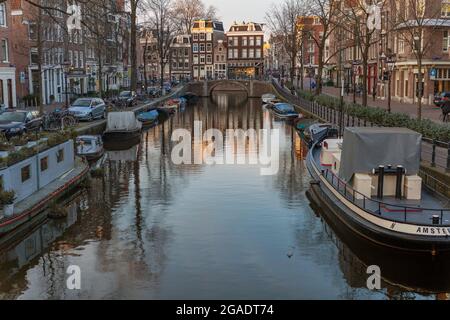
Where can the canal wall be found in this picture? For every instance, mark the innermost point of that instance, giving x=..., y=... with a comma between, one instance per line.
x=98, y=127
x=435, y=178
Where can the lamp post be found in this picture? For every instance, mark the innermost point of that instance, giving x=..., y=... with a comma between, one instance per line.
x=66, y=65
x=390, y=60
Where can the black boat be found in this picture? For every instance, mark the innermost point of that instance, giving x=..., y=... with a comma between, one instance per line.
x=368, y=182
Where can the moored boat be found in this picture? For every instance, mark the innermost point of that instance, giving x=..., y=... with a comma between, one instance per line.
x=122, y=128
x=149, y=118
x=319, y=131
x=268, y=97
x=285, y=111
x=368, y=182
x=90, y=147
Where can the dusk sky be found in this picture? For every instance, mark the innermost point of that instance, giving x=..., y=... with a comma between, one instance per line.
x=241, y=10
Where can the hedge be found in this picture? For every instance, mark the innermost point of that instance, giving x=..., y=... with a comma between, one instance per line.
x=380, y=117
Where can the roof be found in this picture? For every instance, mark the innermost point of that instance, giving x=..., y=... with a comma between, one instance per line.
x=246, y=27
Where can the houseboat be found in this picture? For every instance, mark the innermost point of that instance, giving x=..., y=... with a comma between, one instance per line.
x=39, y=179
x=368, y=182
x=122, y=130
x=90, y=147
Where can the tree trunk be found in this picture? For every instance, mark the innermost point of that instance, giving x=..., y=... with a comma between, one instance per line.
x=133, y=36
x=40, y=53
x=319, y=84
x=419, y=87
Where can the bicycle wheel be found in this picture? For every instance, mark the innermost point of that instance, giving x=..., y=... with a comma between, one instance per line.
x=69, y=121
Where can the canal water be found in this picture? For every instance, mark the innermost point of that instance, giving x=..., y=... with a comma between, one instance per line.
x=151, y=229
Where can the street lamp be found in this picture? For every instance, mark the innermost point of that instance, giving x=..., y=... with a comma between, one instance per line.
x=390, y=60
x=66, y=65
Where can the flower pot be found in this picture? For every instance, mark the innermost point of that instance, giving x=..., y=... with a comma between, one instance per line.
x=8, y=210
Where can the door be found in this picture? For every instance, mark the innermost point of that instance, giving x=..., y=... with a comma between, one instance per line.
x=10, y=95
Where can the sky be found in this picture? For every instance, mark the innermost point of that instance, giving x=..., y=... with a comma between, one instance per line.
x=241, y=10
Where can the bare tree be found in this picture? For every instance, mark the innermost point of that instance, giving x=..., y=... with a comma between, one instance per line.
x=283, y=21
x=414, y=22
x=161, y=18
x=325, y=11
x=186, y=11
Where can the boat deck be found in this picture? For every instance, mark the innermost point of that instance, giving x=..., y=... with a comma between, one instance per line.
x=399, y=210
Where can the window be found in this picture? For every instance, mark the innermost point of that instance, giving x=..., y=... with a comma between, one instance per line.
x=208, y=59
x=25, y=173
x=60, y=156
x=445, y=8
x=202, y=47
x=258, y=53
x=252, y=41
x=230, y=41
x=195, y=59
x=202, y=59
x=258, y=41
x=44, y=164
x=195, y=47
x=230, y=53
x=195, y=36
x=208, y=47
x=445, y=41
x=5, y=54
x=244, y=41
x=34, y=57
x=208, y=37
x=251, y=53
x=202, y=37
x=244, y=53
x=32, y=31
x=236, y=53
x=2, y=15
x=235, y=41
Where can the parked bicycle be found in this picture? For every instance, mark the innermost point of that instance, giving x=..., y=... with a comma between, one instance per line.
x=58, y=119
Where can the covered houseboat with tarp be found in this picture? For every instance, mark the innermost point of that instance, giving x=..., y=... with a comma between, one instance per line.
x=369, y=181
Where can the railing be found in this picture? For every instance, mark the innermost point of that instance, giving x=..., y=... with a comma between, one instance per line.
x=437, y=153
x=390, y=212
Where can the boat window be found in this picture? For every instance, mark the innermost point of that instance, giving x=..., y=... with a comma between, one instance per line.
x=26, y=173
x=60, y=156
x=44, y=164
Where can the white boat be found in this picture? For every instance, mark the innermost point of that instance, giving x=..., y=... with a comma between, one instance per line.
x=90, y=147
x=369, y=183
x=268, y=98
x=122, y=128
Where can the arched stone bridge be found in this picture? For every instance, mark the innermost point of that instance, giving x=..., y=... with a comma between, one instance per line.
x=253, y=88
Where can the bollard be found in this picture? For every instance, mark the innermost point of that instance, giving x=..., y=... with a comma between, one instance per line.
x=433, y=154
x=380, y=182
x=436, y=219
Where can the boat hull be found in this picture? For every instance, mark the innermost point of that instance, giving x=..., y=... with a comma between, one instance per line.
x=336, y=210
x=35, y=209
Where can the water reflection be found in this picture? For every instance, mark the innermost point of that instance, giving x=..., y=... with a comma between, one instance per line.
x=153, y=229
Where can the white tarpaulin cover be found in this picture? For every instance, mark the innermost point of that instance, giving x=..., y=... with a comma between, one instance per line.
x=364, y=149
x=122, y=121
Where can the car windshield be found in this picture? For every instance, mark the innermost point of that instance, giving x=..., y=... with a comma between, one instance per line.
x=82, y=103
x=125, y=94
x=13, y=116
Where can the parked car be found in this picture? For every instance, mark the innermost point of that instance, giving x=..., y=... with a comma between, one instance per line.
x=153, y=92
x=128, y=97
x=17, y=122
x=88, y=109
x=167, y=87
x=440, y=98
